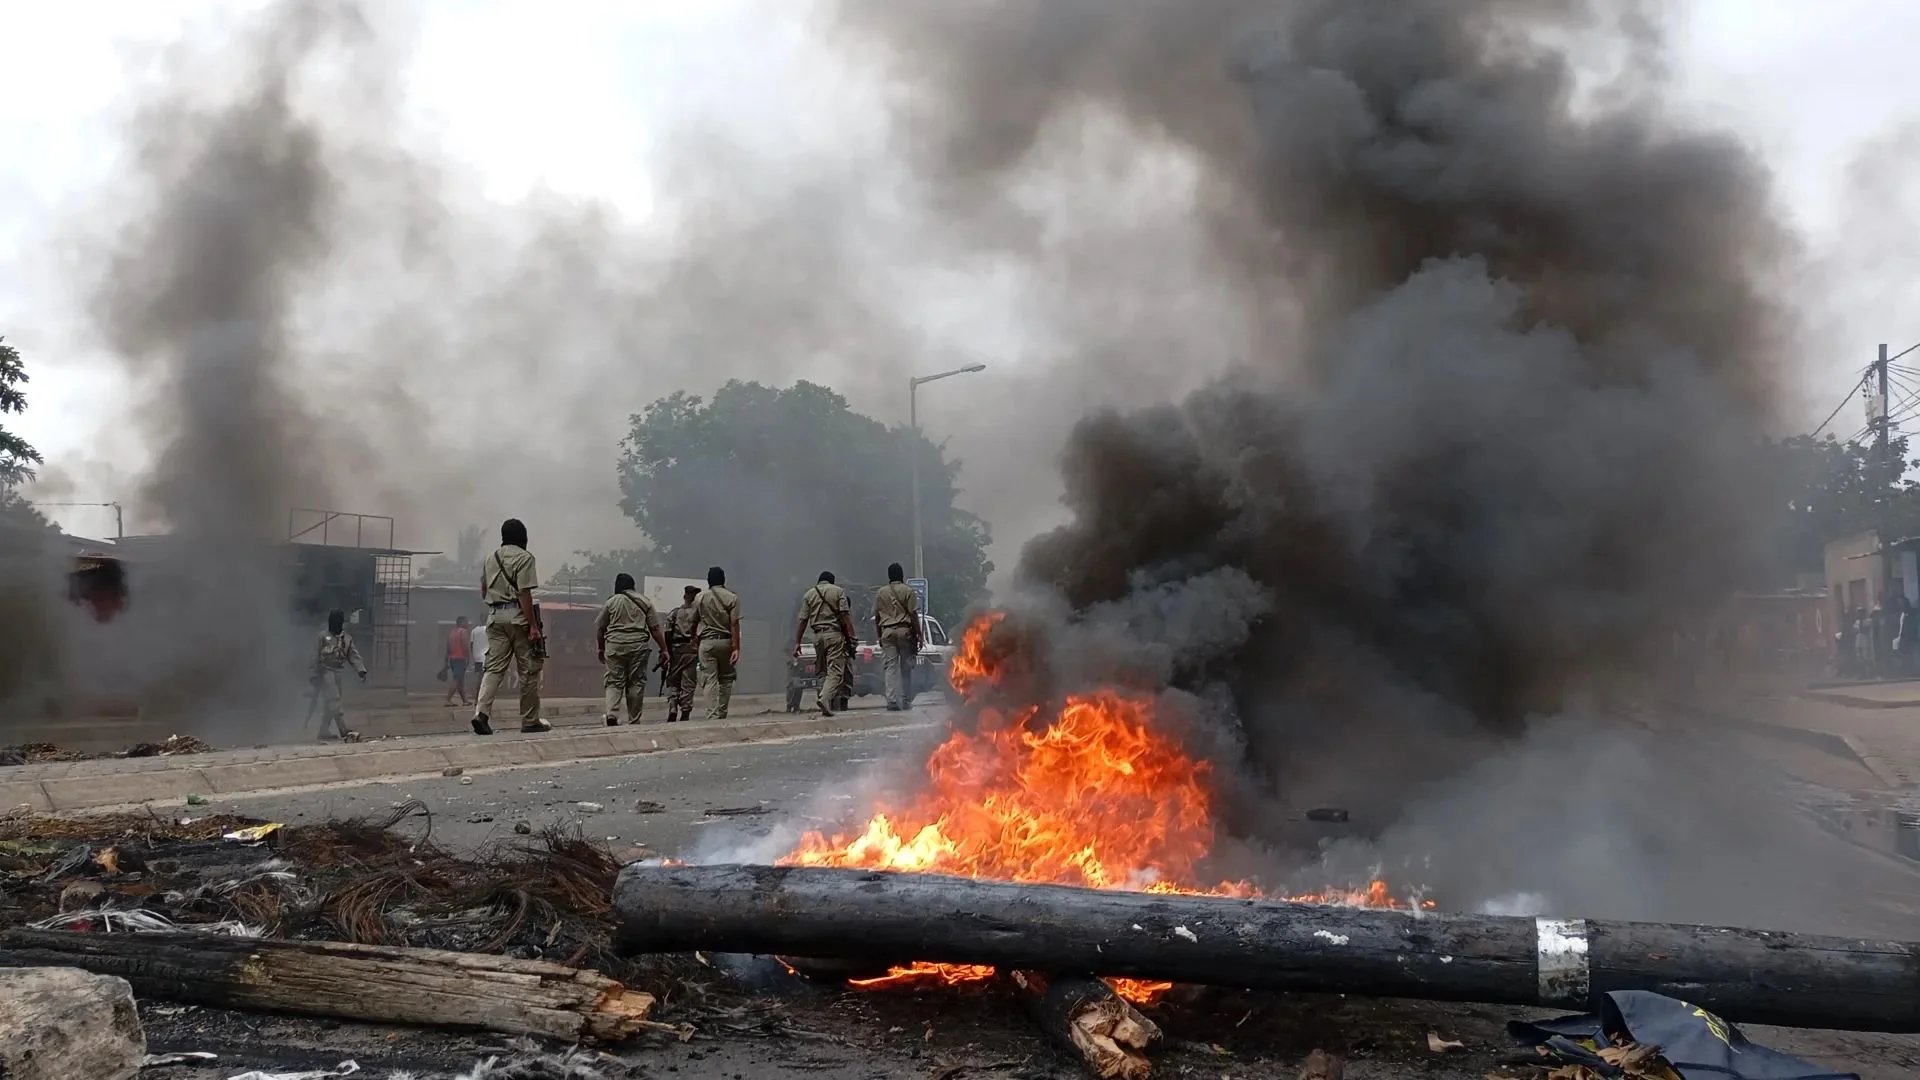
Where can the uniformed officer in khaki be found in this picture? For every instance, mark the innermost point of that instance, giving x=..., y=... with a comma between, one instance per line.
x=679, y=662
x=825, y=611
x=335, y=653
x=717, y=624
x=514, y=636
x=622, y=631
x=896, y=615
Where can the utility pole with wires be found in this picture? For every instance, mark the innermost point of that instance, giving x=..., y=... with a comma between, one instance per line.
x=1883, y=421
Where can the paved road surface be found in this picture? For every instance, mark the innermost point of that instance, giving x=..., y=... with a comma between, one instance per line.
x=784, y=778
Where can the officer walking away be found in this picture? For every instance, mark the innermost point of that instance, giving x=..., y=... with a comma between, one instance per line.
x=896, y=615
x=718, y=627
x=335, y=653
x=621, y=633
x=514, y=635
x=824, y=610
x=679, y=663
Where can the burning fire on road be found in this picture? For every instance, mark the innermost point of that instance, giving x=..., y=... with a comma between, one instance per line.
x=1085, y=791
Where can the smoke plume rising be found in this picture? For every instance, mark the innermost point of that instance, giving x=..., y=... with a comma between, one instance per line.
x=1511, y=333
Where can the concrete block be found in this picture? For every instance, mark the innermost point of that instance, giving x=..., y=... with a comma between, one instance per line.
x=422, y=761
x=86, y=792
x=265, y=775
x=68, y=1024
x=24, y=793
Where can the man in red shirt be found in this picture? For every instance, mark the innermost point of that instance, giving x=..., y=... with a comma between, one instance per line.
x=458, y=644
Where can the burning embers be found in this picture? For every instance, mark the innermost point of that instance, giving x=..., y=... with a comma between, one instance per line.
x=1084, y=793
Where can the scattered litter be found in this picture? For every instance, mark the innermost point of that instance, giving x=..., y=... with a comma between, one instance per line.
x=154, y=1061
x=194, y=798
x=479, y=819
x=523, y=828
x=1642, y=1035
x=74, y=859
x=137, y=921
x=1438, y=1045
x=452, y=771
x=253, y=834
x=589, y=807
x=1181, y=931
x=648, y=806
x=1331, y=937
x=738, y=811
x=345, y=1068
x=466, y=780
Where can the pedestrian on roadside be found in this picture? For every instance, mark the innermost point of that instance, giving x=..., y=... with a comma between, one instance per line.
x=478, y=651
x=334, y=654
x=459, y=652
x=718, y=622
x=514, y=635
x=680, y=662
x=826, y=612
x=621, y=632
x=896, y=617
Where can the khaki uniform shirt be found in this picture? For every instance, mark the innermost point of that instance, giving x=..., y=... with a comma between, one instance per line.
x=682, y=622
x=822, y=607
x=895, y=606
x=336, y=651
x=718, y=609
x=508, y=570
x=627, y=618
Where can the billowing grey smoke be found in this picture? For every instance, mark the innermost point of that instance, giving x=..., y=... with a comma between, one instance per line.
x=234, y=204
x=1516, y=330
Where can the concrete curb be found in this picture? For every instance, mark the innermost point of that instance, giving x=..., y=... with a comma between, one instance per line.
x=171, y=780
x=1840, y=746
x=1852, y=701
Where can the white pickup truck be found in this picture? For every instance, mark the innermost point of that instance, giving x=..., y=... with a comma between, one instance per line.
x=869, y=672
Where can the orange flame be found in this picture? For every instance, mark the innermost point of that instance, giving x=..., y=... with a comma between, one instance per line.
x=1093, y=796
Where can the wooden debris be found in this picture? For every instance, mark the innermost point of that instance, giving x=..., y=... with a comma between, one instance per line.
x=350, y=982
x=1085, y=1015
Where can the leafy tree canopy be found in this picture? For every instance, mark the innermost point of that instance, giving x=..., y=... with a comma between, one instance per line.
x=1823, y=489
x=593, y=571
x=18, y=459
x=777, y=485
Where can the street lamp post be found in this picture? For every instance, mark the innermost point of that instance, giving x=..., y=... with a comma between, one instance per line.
x=913, y=421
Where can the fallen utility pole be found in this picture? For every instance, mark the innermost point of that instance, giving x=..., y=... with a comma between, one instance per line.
x=1754, y=976
x=350, y=982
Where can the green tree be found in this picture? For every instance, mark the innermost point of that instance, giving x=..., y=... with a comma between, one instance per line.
x=592, y=572
x=778, y=484
x=1822, y=489
x=18, y=459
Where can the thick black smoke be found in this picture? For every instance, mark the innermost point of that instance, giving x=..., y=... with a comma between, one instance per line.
x=1515, y=330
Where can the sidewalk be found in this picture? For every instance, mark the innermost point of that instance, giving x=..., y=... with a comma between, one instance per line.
x=1881, y=730
x=93, y=785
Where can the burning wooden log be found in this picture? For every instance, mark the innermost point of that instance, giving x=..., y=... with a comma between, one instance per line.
x=1754, y=976
x=350, y=982
x=1086, y=1016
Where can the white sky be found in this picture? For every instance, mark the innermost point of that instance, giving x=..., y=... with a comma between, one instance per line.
x=572, y=96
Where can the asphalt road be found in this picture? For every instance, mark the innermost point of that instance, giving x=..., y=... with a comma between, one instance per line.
x=669, y=803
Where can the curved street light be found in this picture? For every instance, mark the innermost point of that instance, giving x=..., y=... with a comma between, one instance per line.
x=913, y=421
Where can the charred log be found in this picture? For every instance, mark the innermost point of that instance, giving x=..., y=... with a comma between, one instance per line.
x=349, y=982
x=1745, y=975
x=1086, y=1016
